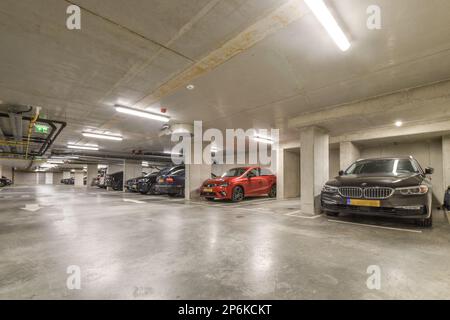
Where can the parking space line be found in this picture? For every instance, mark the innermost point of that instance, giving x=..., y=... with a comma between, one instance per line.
x=297, y=214
x=375, y=226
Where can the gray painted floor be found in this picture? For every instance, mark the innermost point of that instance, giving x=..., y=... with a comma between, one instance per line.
x=130, y=246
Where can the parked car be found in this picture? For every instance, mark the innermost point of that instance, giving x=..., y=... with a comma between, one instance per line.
x=131, y=185
x=68, y=181
x=171, y=183
x=238, y=183
x=147, y=184
x=115, y=181
x=390, y=187
x=4, y=181
x=447, y=199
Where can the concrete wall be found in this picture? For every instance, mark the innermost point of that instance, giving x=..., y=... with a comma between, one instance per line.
x=24, y=178
x=334, y=162
x=428, y=153
x=291, y=171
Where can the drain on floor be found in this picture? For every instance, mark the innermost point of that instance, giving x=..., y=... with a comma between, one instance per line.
x=239, y=217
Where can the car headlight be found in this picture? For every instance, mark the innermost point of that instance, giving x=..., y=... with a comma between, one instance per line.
x=330, y=189
x=411, y=191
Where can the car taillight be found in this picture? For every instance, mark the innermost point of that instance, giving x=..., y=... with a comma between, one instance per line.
x=169, y=180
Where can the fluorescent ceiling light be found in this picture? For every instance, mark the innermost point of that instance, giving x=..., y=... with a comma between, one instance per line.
x=92, y=148
x=327, y=20
x=263, y=140
x=142, y=114
x=399, y=123
x=55, y=161
x=102, y=136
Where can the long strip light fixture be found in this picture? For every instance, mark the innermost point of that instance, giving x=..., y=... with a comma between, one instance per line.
x=141, y=113
x=83, y=147
x=263, y=139
x=327, y=20
x=102, y=136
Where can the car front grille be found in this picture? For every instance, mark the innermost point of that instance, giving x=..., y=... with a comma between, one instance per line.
x=367, y=193
x=351, y=192
x=378, y=193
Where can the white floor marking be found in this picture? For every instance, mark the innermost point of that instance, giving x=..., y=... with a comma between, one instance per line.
x=32, y=207
x=374, y=226
x=134, y=201
x=297, y=214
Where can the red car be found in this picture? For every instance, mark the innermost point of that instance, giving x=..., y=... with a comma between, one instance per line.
x=238, y=183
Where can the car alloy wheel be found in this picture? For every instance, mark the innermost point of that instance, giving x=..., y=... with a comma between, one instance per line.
x=238, y=194
x=273, y=192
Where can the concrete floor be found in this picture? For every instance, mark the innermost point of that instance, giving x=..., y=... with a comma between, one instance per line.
x=130, y=246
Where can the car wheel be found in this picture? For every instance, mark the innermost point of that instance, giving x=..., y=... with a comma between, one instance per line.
x=273, y=192
x=425, y=223
x=238, y=194
x=210, y=199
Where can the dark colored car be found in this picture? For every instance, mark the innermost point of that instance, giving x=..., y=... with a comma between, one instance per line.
x=115, y=181
x=4, y=181
x=389, y=187
x=238, y=183
x=68, y=181
x=447, y=199
x=171, y=183
x=131, y=185
x=147, y=184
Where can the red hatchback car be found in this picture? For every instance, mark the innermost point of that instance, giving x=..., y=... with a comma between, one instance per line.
x=238, y=183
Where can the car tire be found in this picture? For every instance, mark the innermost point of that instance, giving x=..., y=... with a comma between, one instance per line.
x=210, y=199
x=237, y=194
x=425, y=223
x=273, y=191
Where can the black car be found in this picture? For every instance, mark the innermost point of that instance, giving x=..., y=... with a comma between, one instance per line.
x=447, y=199
x=390, y=187
x=171, y=183
x=4, y=181
x=146, y=185
x=68, y=181
x=131, y=185
x=115, y=181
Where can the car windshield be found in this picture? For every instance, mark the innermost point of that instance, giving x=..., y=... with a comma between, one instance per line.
x=236, y=172
x=388, y=166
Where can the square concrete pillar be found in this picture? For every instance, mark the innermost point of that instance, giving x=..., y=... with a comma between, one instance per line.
x=49, y=178
x=314, y=167
x=349, y=153
x=446, y=160
x=79, y=181
x=66, y=175
x=196, y=174
x=132, y=169
x=92, y=172
x=280, y=173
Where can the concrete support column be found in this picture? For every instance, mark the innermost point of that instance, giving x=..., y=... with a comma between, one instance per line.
x=280, y=173
x=349, y=153
x=132, y=169
x=314, y=167
x=92, y=172
x=446, y=160
x=66, y=175
x=1, y=171
x=49, y=178
x=79, y=181
x=196, y=174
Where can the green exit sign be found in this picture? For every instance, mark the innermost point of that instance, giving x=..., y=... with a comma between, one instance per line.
x=40, y=128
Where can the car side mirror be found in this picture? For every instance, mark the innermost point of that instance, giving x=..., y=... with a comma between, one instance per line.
x=341, y=173
x=429, y=170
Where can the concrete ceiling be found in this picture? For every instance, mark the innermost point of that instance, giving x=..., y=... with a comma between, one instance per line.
x=254, y=63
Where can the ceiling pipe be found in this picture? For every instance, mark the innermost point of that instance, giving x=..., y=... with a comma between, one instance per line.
x=30, y=129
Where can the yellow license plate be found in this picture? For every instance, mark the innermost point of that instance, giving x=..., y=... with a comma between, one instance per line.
x=364, y=203
x=207, y=190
